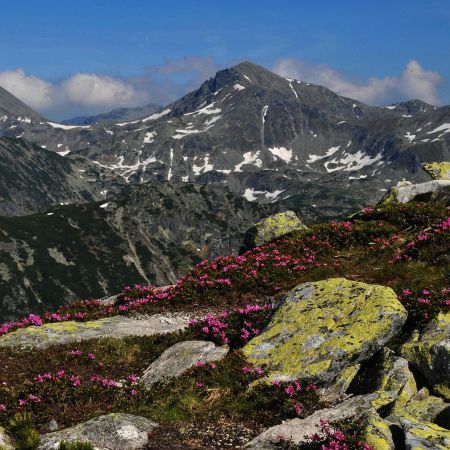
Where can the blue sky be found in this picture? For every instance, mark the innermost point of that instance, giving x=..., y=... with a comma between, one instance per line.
x=65, y=58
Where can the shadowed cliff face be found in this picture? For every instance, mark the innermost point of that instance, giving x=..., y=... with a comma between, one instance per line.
x=152, y=234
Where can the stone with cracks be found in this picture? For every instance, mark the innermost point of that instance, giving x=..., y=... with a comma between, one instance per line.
x=181, y=357
x=322, y=328
x=111, y=432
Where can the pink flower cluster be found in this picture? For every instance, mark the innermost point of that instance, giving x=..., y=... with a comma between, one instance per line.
x=335, y=439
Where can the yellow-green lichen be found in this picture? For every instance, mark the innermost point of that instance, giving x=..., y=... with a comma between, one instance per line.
x=378, y=434
x=322, y=328
x=275, y=226
x=443, y=390
x=396, y=382
x=423, y=409
x=438, y=170
x=428, y=353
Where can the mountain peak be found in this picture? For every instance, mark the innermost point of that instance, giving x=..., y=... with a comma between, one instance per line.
x=12, y=106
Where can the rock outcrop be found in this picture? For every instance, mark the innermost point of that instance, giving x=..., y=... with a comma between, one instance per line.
x=117, y=326
x=181, y=357
x=405, y=191
x=6, y=443
x=322, y=328
x=110, y=432
x=430, y=354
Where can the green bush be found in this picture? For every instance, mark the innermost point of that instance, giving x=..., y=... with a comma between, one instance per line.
x=21, y=428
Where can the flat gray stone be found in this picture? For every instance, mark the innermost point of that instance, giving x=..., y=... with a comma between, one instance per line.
x=181, y=357
x=71, y=331
x=111, y=432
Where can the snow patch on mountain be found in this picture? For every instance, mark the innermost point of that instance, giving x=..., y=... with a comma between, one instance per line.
x=202, y=169
x=249, y=158
x=331, y=151
x=351, y=162
x=149, y=137
x=444, y=127
x=208, y=109
x=282, y=153
x=252, y=195
x=66, y=127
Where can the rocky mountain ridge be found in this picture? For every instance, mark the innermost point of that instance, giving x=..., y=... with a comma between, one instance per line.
x=268, y=138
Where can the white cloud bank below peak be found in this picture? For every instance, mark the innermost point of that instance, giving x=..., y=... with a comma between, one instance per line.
x=80, y=90
x=414, y=82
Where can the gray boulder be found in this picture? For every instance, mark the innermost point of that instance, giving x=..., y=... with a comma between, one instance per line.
x=322, y=328
x=181, y=357
x=111, y=432
x=298, y=430
x=271, y=228
x=430, y=190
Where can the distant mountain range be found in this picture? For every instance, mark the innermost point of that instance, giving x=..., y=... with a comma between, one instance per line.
x=153, y=233
x=116, y=115
x=268, y=138
x=113, y=200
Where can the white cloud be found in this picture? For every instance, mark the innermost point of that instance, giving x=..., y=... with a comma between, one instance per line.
x=89, y=93
x=413, y=82
x=82, y=90
x=100, y=90
x=31, y=90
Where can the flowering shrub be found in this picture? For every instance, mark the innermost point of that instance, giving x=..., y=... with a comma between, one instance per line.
x=234, y=328
x=429, y=243
x=264, y=270
x=424, y=304
x=347, y=434
x=282, y=400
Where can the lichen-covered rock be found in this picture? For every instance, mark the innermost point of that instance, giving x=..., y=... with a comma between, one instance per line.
x=430, y=352
x=438, y=170
x=67, y=332
x=181, y=357
x=422, y=406
x=322, y=328
x=406, y=191
x=298, y=430
x=396, y=381
x=424, y=435
x=6, y=443
x=271, y=228
x=378, y=435
x=335, y=391
x=111, y=432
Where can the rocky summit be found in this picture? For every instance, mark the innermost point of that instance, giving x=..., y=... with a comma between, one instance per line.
x=268, y=138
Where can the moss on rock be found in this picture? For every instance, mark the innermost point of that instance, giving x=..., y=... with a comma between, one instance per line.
x=322, y=328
